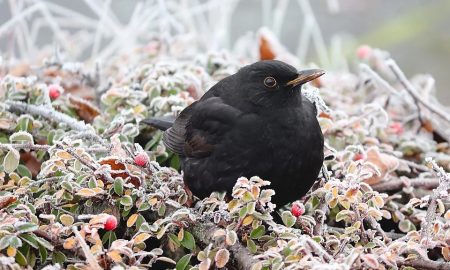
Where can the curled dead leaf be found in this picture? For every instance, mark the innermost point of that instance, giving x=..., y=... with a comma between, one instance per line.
x=84, y=109
x=384, y=162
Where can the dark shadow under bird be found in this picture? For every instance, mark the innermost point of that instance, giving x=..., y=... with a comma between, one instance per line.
x=253, y=123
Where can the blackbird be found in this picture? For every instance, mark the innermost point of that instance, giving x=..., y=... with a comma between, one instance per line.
x=252, y=123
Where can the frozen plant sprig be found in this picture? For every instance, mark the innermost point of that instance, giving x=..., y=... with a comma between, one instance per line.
x=441, y=192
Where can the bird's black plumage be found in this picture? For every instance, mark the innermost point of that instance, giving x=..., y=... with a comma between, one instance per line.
x=252, y=123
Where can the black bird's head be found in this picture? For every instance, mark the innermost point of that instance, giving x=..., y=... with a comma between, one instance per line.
x=273, y=83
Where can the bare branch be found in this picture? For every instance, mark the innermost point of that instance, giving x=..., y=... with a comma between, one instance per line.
x=427, y=183
x=48, y=113
x=413, y=91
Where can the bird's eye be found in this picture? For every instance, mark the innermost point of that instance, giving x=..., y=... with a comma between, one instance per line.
x=270, y=82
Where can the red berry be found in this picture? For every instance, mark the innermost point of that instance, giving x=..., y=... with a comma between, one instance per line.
x=54, y=91
x=363, y=52
x=111, y=223
x=297, y=209
x=141, y=159
x=358, y=156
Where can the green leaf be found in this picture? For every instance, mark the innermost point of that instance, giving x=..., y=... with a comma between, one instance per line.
x=251, y=207
x=27, y=227
x=4, y=241
x=318, y=239
x=175, y=162
x=188, y=241
x=174, y=238
x=21, y=137
x=58, y=257
x=24, y=171
x=370, y=245
x=15, y=241
x=140, y=220
x=258, y=232
x=118, y=186
x=67, y=186
x=11, y=161
x=43, y=254
x=153, y=141
x=30, y=239
x=92, y=183
x=251, y=246
x=162, y=209
x=50, y=136
x=315, y=202
x=108, y=238
x=243, y=212
x=126, y=201
x=20, y=258
x=31, y=258
x=44, y=243
x=183, y=262
x=247, y=197
x=406, y=226
x=77, y=165
x=343, y=215
x=143, y=207
x=25, y=123
x=288, y=219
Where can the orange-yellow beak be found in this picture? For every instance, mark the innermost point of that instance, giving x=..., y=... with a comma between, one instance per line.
x=306, y=76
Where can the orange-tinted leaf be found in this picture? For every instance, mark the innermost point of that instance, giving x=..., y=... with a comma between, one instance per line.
x=6, y=200
x=70, y=243
x=265, y=50
x=141, y=238
x=132, y=219
x=84, y=109
x=247, y=220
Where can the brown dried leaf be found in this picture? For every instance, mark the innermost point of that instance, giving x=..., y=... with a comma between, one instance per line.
x=446, y=253
x=6, y=200
x=266, y=52
x=384, y=162
x=29, y=160
x=120, y=167
x=84, y=109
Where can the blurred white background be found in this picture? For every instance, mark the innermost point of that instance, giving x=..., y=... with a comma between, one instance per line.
x=415, y=32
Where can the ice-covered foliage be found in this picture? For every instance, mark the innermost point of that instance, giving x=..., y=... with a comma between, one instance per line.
x=75, y=158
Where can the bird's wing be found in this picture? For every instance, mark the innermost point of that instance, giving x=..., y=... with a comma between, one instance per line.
x=175, y=137
x=200, y=126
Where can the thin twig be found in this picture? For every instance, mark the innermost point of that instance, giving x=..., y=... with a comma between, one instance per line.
x=49, y=179
x=425, y=264
x=397, y=184
x=413, y=92
x=24, y=146
x=44, y=147
x=87, y=252
x=391, y=235
x=443, y=186
x=48, y=113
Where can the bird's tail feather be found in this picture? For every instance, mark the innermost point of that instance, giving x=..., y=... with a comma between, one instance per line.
x=162, y=123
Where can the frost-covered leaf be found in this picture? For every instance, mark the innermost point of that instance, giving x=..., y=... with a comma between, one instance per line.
x=11, y=161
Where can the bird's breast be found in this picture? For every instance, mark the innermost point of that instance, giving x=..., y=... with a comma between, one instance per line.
x=293, y=137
